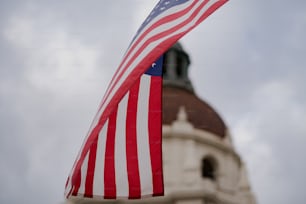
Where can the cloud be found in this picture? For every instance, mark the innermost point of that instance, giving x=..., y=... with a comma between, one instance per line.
x=270, y=137
x=52, y=58
x=42, y=107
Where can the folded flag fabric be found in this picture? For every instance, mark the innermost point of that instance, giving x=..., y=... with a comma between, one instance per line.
x=122, y=152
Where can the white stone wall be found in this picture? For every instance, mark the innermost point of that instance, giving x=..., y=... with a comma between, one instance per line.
x=183, y=150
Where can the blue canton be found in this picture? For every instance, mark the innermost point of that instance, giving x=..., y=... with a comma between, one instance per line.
x=156, y=68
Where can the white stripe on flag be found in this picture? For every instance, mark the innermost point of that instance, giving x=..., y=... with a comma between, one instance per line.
x=144, y=159
x=98, y=182
x=83, y=174
x=120, y=149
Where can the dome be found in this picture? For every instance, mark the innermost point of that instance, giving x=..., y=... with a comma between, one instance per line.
x=199, y=113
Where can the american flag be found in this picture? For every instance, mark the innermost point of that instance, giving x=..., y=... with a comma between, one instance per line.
x=121, y=155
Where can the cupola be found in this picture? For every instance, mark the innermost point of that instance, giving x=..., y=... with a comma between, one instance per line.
x=179, y=92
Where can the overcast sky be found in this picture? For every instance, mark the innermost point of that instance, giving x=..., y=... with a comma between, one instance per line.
x=57, y=57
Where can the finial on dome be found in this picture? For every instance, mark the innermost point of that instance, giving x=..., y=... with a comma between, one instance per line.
x=181, y=124
x=182, y=115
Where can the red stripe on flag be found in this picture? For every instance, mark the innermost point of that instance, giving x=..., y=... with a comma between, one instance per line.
x=76, y=175
x=155, y=138
x=211, y=9
x=91, y=170
x=76, y=180
x=68, y=192
x=131, y=143
x=109, y=167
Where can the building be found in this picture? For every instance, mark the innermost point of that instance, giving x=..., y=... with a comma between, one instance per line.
x=201, y=165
